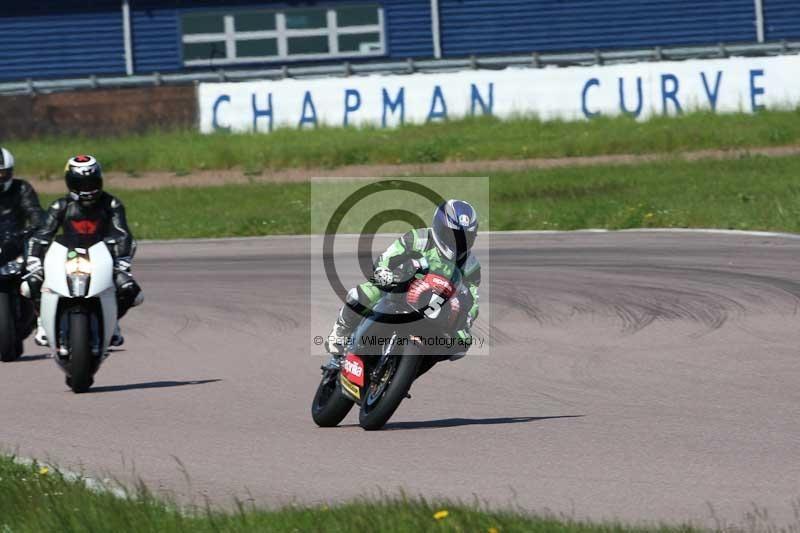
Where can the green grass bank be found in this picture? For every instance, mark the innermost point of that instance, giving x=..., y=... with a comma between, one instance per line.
x=482, y=138
x=36, y=499
x=753, y=193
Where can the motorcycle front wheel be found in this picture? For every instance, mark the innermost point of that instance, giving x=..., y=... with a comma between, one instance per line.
x=80, y=358
x=391, y=386
x=330, y=405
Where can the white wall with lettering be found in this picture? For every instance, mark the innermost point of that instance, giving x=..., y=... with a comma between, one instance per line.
x=571, y=93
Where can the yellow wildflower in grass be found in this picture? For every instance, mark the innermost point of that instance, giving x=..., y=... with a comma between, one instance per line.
x=441, y=515
x=492, y=530
x=649, y=215
x=43, y=471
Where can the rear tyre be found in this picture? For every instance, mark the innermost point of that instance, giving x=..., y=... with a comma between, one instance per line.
x=8, y=330
x=330, y=405
x=374, y=416
x=80, y=359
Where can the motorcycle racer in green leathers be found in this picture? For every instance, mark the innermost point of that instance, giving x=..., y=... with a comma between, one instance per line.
x=445, y=246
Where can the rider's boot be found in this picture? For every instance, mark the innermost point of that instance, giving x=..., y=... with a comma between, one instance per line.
x=116, y=338
x=336, y=343
x=40, y=338
x=339, y=337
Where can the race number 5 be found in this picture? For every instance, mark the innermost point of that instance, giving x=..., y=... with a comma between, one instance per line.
x=434, y=307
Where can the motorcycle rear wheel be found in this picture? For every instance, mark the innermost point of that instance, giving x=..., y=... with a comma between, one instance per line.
x=374, y=415
x=9, y=347
x=80, y=359
x=330, y=405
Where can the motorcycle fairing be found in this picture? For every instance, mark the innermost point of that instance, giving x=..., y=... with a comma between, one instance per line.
x=55, y=279
x=352, y=376
x=56, y=288
x=349, y=389
x=353, y=369
x=102, y=270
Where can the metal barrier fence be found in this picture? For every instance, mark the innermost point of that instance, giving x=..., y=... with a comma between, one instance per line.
x=533, y=60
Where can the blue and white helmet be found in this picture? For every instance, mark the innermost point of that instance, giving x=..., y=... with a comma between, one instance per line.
x=454, y=229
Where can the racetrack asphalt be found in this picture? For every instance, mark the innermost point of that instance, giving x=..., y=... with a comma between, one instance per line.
x=636, y=376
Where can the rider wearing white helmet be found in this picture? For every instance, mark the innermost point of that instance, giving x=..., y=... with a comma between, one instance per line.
x=20, y=212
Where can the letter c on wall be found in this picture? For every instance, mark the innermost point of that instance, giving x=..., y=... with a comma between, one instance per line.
x=593, y=82
x=215, y=109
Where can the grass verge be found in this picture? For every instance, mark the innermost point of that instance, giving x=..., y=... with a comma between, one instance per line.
x=482, y=138
x=754, y=193
x=37, y=499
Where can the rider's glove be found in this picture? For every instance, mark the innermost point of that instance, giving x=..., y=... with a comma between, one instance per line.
x=383, y=277
x=122, y=264
x=33, y=266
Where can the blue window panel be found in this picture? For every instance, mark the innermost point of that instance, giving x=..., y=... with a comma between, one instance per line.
x=487, y=26
x=781, y=19
x=408, y=28
x=156, y=37
x=62, y=39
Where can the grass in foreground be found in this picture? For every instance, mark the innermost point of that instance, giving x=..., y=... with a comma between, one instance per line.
x=755, y=193
x=461, y=140
x=36, y=499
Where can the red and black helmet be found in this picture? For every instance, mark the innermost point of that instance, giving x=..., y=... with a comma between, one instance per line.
x=84, y=178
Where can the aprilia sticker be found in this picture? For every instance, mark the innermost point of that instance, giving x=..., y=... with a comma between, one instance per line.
x=353, y=369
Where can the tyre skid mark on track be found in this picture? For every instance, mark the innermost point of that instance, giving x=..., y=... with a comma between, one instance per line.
x=696, y=295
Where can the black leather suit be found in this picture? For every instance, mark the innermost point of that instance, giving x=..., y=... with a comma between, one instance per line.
x=104, y=218
x=20, y=216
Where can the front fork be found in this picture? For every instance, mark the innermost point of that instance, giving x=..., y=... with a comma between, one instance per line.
x=387, y=353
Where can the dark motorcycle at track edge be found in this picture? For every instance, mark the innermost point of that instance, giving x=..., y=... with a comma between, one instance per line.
x=17, y=313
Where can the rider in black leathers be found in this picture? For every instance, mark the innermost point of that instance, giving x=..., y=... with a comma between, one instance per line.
x=20, y=212
x=89, y=211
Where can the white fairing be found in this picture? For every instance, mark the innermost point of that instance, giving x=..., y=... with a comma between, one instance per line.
x=56, y=287
x=55, y=277
x=102, y=269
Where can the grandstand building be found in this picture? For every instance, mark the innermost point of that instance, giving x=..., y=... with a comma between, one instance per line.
x=73, y=38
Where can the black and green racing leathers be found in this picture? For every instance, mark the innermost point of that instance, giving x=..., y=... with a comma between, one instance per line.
x=414, y=244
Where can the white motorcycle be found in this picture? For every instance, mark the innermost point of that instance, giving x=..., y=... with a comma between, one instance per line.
x=79, y=307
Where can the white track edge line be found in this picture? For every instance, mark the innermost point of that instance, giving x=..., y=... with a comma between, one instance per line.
x=708, y=231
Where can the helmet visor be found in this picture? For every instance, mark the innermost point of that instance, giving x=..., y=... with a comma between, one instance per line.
x=6, y=174
x=84, y=184
x=455, y=243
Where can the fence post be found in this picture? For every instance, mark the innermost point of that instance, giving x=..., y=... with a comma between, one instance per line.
x=759, y=6
x=436, y=32
x=127, y=37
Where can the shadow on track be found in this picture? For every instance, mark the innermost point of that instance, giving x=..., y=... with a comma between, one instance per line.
x=39, y=357
x=151, y=385
x=456, y=422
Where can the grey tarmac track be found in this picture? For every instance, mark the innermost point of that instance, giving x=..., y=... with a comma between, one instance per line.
x=637, y=376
